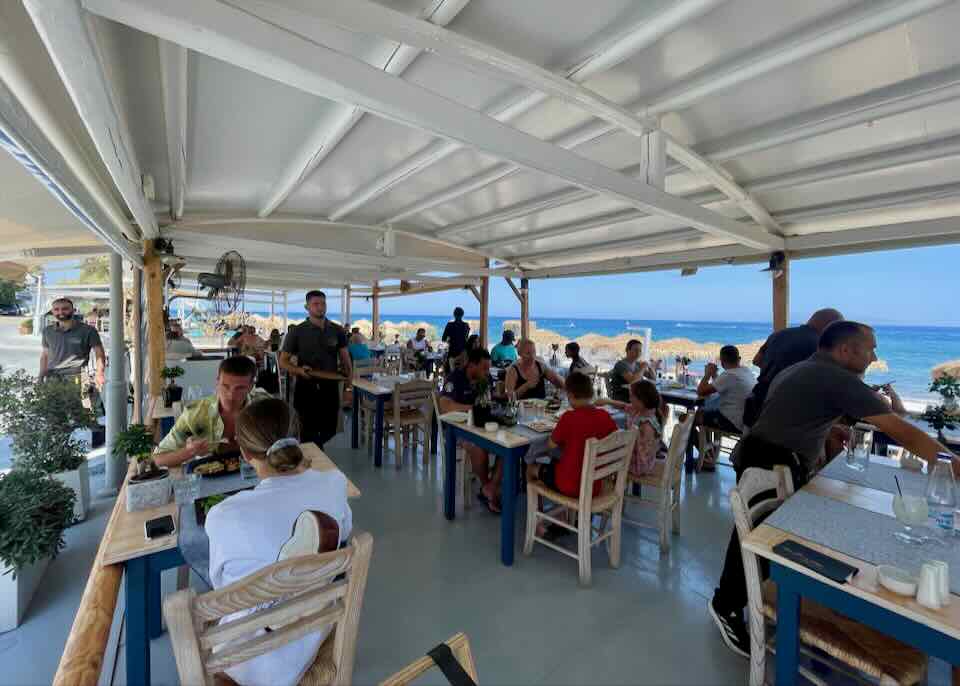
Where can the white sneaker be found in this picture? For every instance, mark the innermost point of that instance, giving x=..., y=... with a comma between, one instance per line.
x=304, y=539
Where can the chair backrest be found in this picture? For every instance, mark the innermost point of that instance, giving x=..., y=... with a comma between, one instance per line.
x=676, y=451
x=603, y=458
x=293, y=598
x=416, y=394
x=441, y=445
x=365, y=368
x=460, y=647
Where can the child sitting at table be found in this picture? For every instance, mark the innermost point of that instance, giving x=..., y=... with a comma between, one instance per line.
x=581, y=422
x=645, y=414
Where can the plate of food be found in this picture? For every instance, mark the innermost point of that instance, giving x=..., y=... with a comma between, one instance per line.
x=456, y=417
x=542, y=425
x=202, y=506
x=213, y=465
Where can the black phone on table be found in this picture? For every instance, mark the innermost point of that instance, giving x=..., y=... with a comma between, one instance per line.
x=159, y=527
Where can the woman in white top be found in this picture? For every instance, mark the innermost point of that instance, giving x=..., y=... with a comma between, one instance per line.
x=248, y=529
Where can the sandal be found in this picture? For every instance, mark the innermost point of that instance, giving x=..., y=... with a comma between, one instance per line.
x=491, y=505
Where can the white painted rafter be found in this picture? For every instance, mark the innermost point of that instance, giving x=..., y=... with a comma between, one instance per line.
x=840, y=28
x=906, y=96
x=718, y=177
x=688, y=237
x=337, y=123
x=608, y=52
x=63, y=30
x=173, y=85
x=271, y=51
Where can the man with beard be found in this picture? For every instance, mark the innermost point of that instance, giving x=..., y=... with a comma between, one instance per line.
x=319, y=345
x=67, y=345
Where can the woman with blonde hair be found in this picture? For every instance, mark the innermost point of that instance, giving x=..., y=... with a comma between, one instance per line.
x=249, y=530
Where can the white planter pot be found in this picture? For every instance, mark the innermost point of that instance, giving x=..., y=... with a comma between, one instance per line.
x=143, y=496
x=15, y=594
x=79, y=481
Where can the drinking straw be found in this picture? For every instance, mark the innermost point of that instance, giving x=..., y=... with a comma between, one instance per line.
x=898, y=485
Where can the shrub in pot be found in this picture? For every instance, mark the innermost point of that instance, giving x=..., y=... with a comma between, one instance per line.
x=34, y=511
x=26, y=327
x=150, y=485
x=41, y=418
x=172, y=393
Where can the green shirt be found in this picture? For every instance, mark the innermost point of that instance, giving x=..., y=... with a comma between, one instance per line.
x=201, y=420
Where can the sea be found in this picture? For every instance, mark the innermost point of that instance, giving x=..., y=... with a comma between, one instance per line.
x=910, y=352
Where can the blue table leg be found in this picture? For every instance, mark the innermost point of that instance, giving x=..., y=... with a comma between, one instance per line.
x=355, y=420
x=154, y=603
x=378, y=434
x=137, y=618
x=508, y=500
x=788, y=633
x=450, y=473
x=434, y=430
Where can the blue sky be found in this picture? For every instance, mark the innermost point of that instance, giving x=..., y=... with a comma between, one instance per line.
x=917, y=286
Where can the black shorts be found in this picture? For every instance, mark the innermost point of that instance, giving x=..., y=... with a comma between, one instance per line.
x=717, y=420
x=548, y=475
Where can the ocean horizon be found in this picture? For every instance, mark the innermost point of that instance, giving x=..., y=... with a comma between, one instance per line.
x=909, y=351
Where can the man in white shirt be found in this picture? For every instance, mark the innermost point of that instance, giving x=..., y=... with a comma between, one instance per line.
x=419, y=343
x=726, y=393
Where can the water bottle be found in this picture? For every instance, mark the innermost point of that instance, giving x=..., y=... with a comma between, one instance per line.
x=941, y=494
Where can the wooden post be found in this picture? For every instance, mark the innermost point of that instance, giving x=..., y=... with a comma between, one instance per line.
x=524, y=308
x=156, y=336
x=346, y=304
x=136, y=332
x=375, y=324
x=781, y=297
x=484, y=310
x=116, y=385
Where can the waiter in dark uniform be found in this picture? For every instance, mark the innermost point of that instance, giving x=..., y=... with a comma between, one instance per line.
x=319, y=346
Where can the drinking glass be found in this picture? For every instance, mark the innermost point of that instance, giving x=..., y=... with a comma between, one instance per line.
x=858, y=450
x=192, y=394
x=911, y=512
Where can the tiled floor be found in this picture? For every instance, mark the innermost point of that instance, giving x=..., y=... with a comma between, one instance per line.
x=644, y=623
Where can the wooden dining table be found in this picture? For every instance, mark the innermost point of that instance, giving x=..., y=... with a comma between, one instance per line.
x=934, y=632
x=144, y=560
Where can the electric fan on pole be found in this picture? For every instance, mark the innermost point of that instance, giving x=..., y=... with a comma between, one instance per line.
x=225, y=286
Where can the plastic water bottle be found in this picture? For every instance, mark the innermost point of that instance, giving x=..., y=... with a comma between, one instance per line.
x=941, y=494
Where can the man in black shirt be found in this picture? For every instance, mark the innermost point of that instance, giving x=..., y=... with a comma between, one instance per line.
x=455, y=336
x=803, y=404
x=782, y=349
x=319, y=346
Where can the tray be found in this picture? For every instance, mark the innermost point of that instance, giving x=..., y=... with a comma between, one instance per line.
x=199, y=510
x=230, y=461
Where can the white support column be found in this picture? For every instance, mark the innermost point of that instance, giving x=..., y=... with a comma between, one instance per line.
x=116, y=390
x=346, y=303
x=273, y=305
x=285, y=308
x=39, y=304
x=653, y=158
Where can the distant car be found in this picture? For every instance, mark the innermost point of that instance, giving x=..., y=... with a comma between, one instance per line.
x=11, y=310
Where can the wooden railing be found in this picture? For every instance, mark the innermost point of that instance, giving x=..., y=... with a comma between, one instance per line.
x=83, y=655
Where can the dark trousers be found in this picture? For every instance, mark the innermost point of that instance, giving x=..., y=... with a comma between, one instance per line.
x=317, y=402
x=731, y=594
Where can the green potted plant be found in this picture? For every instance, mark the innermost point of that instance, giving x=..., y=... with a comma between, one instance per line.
x=46, y=422
x=172, y=393
x=34, y=511
x=151, y=485
x=482, y=405
x=26, y=327
x=940, y=418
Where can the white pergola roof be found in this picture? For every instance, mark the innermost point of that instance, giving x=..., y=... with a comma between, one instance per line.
x=346, y=141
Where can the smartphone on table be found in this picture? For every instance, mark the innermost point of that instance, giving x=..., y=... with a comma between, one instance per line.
x=159, y=527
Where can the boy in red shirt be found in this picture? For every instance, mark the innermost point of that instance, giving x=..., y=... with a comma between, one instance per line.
x=582, y=422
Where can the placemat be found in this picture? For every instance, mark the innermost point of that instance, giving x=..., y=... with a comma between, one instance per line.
x=877, y=476
x=861, y=534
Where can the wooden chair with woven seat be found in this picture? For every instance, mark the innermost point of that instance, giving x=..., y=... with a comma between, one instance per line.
x=292, y=598
x=365, y=369
x=843, y=645
x=459, y=645
x=607, y=461
x=409, y=418
x=665, y=477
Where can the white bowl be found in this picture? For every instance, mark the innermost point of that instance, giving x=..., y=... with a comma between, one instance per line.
x=491, y=426
x=897, y=580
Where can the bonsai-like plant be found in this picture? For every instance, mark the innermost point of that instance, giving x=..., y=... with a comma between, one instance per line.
x=34, y=511
x=41, y=417
x=171, y=373
x=939, y=418
x=947, y=386
x=136, y=442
